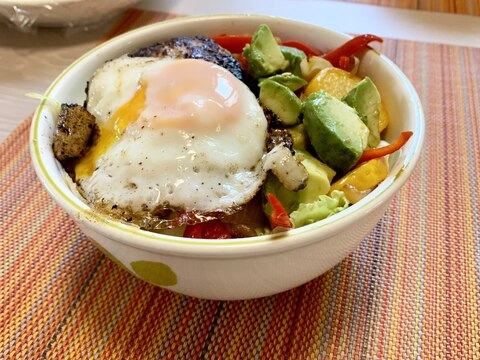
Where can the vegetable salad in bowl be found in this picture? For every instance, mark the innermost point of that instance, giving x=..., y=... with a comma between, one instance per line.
x=227, y=136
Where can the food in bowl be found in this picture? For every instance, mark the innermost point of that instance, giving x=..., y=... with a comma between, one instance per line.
x=230, y=136
x=232, y=268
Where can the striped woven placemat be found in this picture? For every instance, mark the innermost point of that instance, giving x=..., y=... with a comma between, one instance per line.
x=465, y=7
x=411, y=289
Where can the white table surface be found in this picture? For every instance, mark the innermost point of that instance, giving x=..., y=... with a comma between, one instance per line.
x=30, y=62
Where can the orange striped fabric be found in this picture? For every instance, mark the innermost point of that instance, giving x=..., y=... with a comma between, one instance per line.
x=465, y=7
x=411, y=289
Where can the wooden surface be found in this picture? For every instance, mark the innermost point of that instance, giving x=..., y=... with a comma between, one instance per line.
x=29, y=62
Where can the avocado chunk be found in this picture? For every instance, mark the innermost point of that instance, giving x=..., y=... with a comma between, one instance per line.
x=318, y=183
x=365, y=99
x=320, y=176
x=299, y=136
x=294, y=58
x=263, y=54
x=336, y=132
x=293, y=82
x=281, y=100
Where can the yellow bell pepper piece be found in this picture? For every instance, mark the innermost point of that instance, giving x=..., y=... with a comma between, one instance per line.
x=336, y=82
x=359, y=182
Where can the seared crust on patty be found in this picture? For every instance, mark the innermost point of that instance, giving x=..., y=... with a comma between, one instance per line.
x=194, y=47
x=73, y=134
x=279, y=137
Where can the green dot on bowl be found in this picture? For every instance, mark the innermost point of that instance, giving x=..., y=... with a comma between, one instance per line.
x=154, y=272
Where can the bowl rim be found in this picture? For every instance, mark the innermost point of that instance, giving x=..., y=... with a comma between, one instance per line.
x=37, y=3
x=237, y=247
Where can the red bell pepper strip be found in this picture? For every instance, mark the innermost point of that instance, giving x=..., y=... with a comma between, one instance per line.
x=307, y=49
x=370, y=154
x=243, y=62
x=344, y=62
x=279, y=216
x=213, y=229
x=351, y=47
x=233, y=43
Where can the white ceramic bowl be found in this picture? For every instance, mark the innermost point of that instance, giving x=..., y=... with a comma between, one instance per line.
x=55, y=13
x=236, y=268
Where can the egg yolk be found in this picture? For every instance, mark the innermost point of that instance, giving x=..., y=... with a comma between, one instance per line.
x=188, y=95
x=191, y=94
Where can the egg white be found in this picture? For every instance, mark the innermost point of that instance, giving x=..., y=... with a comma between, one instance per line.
x=189, y=169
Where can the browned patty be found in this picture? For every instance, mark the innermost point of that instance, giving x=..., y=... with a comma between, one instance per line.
x=279, y=137
x=193, y=47
x=73, y=134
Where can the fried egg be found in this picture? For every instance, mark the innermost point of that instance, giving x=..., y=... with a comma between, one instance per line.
x=181, y=134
